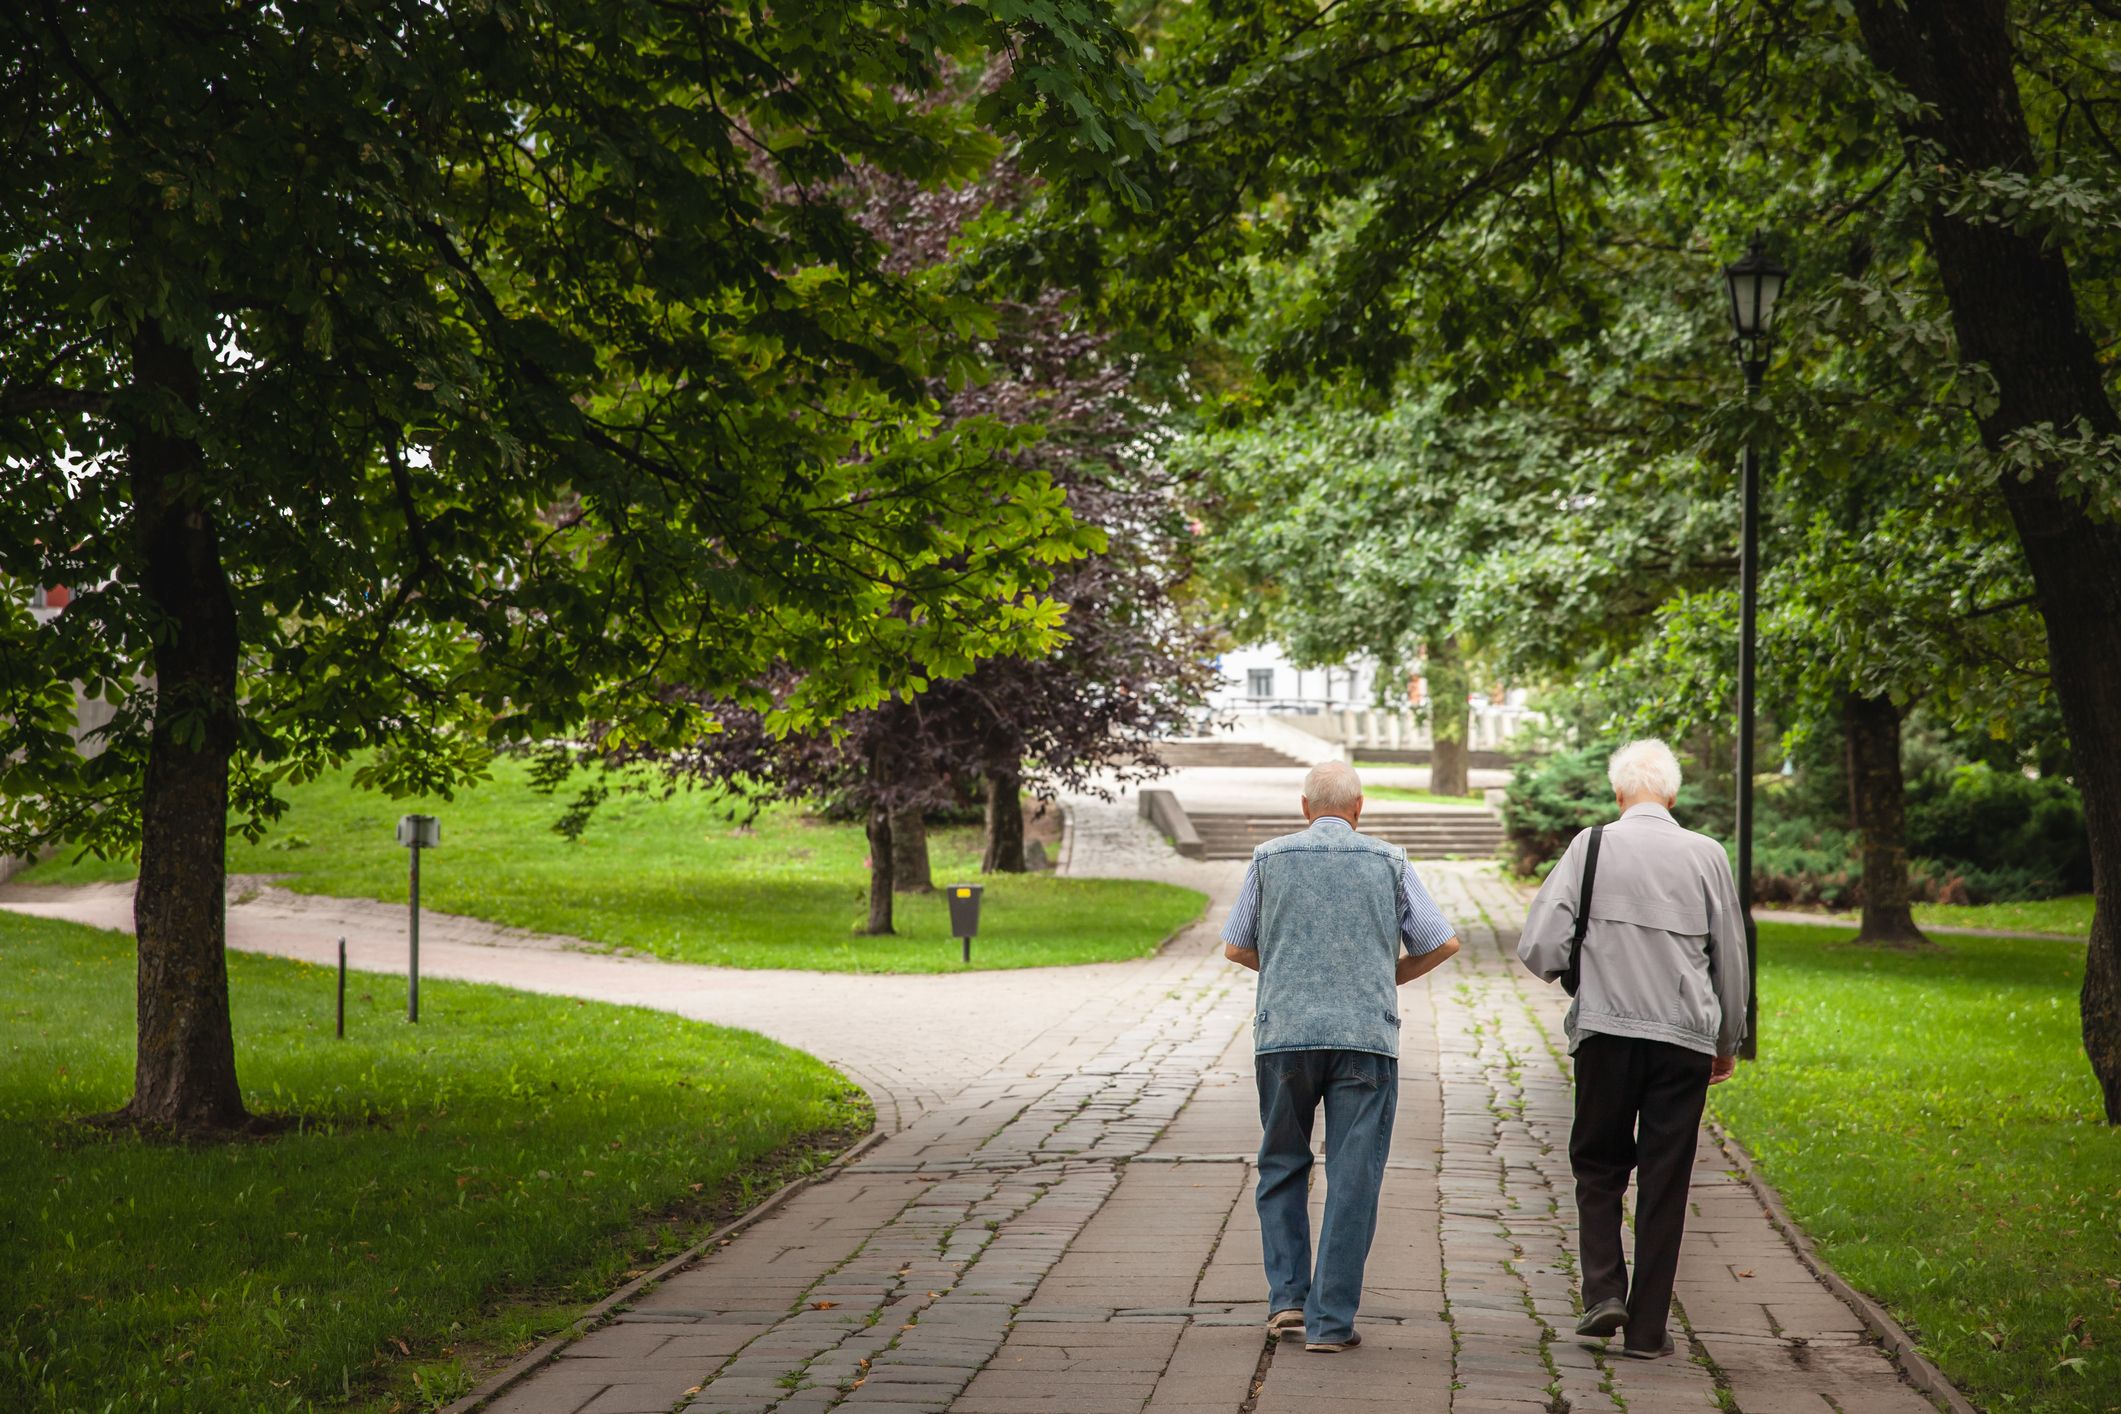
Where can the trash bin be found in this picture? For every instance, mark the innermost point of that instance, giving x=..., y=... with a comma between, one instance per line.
x=964, y=914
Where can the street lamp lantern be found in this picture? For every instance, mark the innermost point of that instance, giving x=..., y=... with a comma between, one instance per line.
x=1755, y=284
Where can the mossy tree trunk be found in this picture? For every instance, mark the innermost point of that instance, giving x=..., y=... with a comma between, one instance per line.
x=880, y=872
x=184, y=1072
x=881, y=854
x=1449, y=717
x=1878, y=800
x=911, y=872
x=1005, y=822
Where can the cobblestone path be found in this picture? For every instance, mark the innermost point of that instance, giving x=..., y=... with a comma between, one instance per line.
x=1060, y=1217
x=1071, y=1230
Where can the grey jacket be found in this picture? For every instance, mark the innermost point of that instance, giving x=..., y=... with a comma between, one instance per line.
x=1664, y=957
x=1328, y=942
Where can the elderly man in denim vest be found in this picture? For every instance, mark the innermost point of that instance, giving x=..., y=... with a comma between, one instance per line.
x=1322, y=916
x=1659, y=1013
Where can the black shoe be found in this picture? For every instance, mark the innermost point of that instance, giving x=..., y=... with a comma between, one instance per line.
x=1634, y=1354
x=1603, y=1319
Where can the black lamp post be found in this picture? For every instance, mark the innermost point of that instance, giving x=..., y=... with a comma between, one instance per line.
x=1755, y=283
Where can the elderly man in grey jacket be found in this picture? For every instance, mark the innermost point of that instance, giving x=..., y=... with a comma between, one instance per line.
x=1659, y=1013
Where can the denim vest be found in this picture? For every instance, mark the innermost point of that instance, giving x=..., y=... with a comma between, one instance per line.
x=1328, y=942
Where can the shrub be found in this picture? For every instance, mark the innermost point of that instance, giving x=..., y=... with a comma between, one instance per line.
x=1802, y=861
x=2002, y=834
x=1551, y=798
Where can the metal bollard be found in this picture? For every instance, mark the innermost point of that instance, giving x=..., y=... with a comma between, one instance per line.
x=342, y=989
x=412, y=964
x=416, y=832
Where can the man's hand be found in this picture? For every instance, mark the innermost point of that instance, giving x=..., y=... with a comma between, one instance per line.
x=1722, y=1068
x=1243, y=957
x=1410, y=968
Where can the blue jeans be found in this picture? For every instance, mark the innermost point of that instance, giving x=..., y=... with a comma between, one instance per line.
x=1361, y=1094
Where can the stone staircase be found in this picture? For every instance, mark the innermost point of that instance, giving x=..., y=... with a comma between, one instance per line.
x=1212, y=751
x=1437, y=832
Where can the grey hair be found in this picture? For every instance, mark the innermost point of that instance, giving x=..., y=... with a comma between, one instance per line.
x=1332, y=785
x=1645, y=767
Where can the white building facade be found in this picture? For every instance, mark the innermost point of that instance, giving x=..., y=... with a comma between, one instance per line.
x=1263, y=693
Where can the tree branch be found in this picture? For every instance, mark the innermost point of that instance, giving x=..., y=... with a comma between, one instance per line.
x=15, y=401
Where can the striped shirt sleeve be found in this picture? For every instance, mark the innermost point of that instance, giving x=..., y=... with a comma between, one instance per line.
x=1422, y=926
x=1241, y=929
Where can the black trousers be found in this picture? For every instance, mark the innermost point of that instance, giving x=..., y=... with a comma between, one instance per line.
x=1638, y=1107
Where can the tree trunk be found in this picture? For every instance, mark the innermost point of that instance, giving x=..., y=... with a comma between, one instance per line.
x=1005, y=822
x=2014, y=310
x=184, y=1071
x=910, y=870
x=1879, y=797
x=1448, y=718
x=880, y=872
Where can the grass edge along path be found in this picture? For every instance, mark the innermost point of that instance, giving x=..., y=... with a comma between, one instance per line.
x=456, y=1190
x=680, y=879
x=1929, y=1119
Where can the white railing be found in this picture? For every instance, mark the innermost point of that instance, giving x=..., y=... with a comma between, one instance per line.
x=1489, y=726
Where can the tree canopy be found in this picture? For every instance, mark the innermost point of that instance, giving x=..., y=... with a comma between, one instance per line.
x=1133, y=665
x=413, y=380
x=1520, y=208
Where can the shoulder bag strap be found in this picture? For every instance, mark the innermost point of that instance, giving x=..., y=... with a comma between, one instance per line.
x=1572, y=975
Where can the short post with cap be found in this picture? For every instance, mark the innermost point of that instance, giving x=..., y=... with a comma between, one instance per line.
x=416, y=832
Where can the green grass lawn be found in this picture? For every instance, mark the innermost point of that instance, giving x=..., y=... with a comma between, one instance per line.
x=1421, y=797
x=675, y=878
x=455, y=1190
x=2071, y=914
x=1931, y=1120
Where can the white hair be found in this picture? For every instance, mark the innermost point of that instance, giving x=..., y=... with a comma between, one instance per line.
x=1644, y=768
x=1332, y=785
